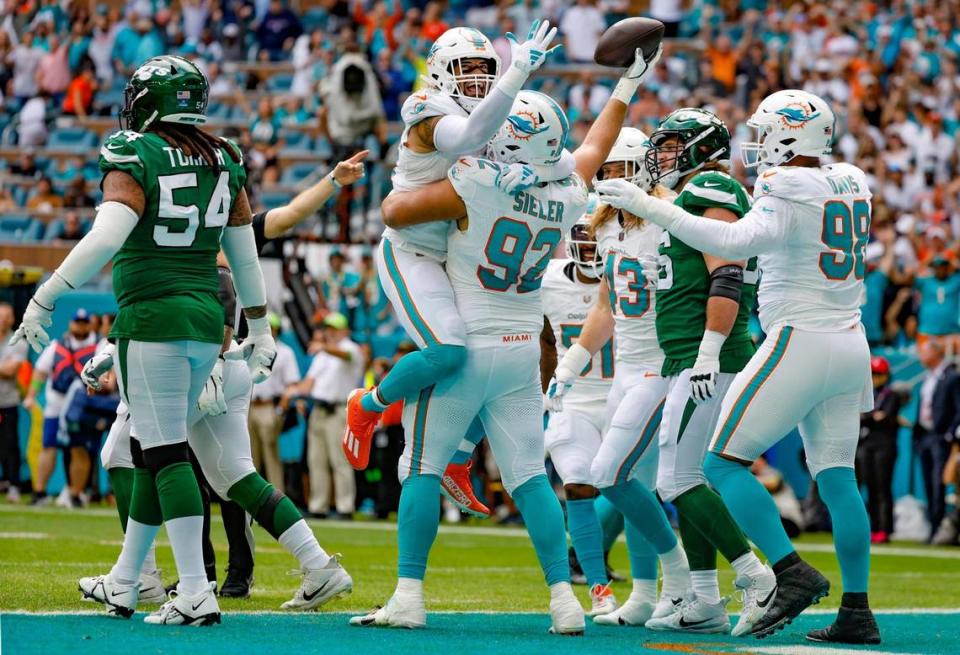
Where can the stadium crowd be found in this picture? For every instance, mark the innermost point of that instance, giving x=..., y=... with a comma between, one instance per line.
x=301, y=85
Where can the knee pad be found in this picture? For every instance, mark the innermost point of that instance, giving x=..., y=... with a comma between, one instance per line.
x=159, y=458
x=445, y=359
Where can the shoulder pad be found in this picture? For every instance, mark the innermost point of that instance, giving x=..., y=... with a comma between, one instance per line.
x=480, y=172
x=714, y=189
x=121, y=148
x=426, y=104
x=777, y=181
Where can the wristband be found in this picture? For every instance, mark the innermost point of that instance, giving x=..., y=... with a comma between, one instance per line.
x=576, y=358
x=512, y=81
x=711, y=344
x=336, y=185
x=257, y=326
x=625, y=90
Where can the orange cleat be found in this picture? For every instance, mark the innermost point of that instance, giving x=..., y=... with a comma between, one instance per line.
x=358, y=435
x=456, y=485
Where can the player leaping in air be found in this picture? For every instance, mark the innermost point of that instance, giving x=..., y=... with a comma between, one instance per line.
x=809, y=225
x=461, y=109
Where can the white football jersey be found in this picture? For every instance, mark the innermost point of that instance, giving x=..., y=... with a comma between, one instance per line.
x=415, y=170
x=813, y=278
x=632, y=299
x=566, y=303
x=496, y=263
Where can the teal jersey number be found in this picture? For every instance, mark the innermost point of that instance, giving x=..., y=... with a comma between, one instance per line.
x=570, y=332
x=636, y=301
x=506, y=248
x=845, y=232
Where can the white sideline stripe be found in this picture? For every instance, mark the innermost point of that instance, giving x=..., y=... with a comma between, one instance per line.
x=23, y=535
x=814, y=650
x=819, y=611
x=517, y=533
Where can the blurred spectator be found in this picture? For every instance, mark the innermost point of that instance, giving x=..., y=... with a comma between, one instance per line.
x=582, y=26
x=433, y=23
x=135, y=43
x=723, y=58
x=875, y=282
x=221, y=86
x=336, y=369
x=25, y=59
x=233, y=49
x=376, y=26
x=877, y=451
x=53, y=71
x=11, y=358
x=668, y=12
x=79, y=96
x=278, y=29
x=340, y=287
x=44, y=198
x=309, y=63
x=587, y=97
x=195, y=16
x=26, y=165
x=939, y=310
x=71, y=229
x=32, y=128
x=938, y=418
x=7, y=203
x=101, y=46
x=208, y=46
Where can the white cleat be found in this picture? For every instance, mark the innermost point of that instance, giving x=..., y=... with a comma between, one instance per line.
x=693, y=615
x=666, y=606
x=152, y=591
x=633, y=613
x=403, y=610
x=200, y=609
x=566, y=614
x=319, y=586
x=602, y=600
x=756, y=593
x=120, y=600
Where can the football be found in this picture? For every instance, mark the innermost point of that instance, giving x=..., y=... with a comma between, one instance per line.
x=618, y=44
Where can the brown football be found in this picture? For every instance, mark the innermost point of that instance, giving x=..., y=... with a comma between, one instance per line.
x=619, y=43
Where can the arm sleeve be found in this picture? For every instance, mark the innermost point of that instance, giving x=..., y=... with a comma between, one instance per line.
x=228, y=296
x=561, y=170
x=762, y=228
x=241, y=250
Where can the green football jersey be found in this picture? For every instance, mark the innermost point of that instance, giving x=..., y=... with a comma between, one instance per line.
x=684, y=285
x=165, y=275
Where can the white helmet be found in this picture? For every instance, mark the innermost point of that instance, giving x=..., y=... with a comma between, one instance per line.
x=535, y=132
x=444, y=65
x=630, y=149
x=789, y=124
x=583, y=248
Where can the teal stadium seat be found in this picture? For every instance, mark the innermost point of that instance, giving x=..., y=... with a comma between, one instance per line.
x=297, y=142
x=15, y=228
x=272, y=199
x=280, y=83
x=294, y=174
x=72, y=138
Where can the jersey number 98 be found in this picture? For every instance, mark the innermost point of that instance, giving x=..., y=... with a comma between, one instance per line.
x=506, y=249
x=845, y=232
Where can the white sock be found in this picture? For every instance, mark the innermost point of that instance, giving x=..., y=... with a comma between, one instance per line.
x=748, y=565
x=185, y=538
x=676, y=572
x=466, y=446
x=644, y=591
x=377, y=400
x=706, y=586
x=150, y=562
x=558, y=589
x=409, y=586
x=300, y=542
x=137, y=542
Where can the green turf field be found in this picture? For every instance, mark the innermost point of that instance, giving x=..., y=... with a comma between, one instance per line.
x=474, y=569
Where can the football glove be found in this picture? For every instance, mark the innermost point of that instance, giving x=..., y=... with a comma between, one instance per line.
x=96, y=367
x=258, y=350
x=622, y=194
x=32, y=328
x=530, y=55
x=514, y=178
x=706, y=369
x=568, y=369
x=640, y=68
x=650, y=266
x=212, y=401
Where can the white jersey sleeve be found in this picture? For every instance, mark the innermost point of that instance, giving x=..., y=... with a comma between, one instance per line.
x=497, y=260
x=566, y=303
x=415, y=170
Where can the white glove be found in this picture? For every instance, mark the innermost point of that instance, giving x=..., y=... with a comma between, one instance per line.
x=212, y=401
x=623, y=195
x=530, y=55
x=706, y=370
x=32, y=328
x=258, y=350
x=641, y=67
x=514, y=178
x=650, y=267
x=568, y=370
x=96, y=367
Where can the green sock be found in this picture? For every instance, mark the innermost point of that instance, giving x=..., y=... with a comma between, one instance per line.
x=121, y=479
x=178, y=491
x=270, y=508
x=709, y=515
x=701, y=554
x=144, y=502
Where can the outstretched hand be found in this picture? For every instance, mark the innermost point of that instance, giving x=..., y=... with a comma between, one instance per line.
x=350, y=170
x=530, y=55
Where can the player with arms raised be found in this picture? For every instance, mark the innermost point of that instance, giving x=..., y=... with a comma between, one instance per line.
x=809, y=225
x=172, y=196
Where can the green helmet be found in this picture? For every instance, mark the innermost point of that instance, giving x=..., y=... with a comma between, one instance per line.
x=168, y=89
x=694, y=137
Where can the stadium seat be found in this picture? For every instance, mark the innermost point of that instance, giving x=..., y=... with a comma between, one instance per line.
x=16, y=228
x=72, y=138
x=219, y=111
x=271, y=199
x=295, y=173
x=314, y=18
x=323, y=148
x=279, y=82
x=296, y=141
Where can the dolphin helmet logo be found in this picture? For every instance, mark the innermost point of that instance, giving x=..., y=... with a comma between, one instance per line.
x=795, y=116
x=523, y=126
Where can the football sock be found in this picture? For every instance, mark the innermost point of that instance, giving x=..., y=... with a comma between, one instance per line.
x=182, y=508
x=300, y=542
x=700, y=552
x=851, y=527
x=611, y=521
x=410, y=586
x=474, y=436
x=706, y=586
x=543, y=516
x=417, y=524
x=372, y=401
x=417, y=370
x=748, y=565
x=644, y=591
x=270, y=508
x=137, y=542
x=676, y=572
x=641, y=507
x=751, y=505
x=150, y=561
x=643, y=558
x=121, y=480
x=587, y=538
x=708, y=514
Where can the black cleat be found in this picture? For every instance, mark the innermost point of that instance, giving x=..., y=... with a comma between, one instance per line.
x=237, y=584
x=853, y=626
x=798, y=587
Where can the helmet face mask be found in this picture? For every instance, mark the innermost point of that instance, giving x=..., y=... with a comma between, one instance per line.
x=167, y=89
x=686, y=141
x=455, y=66
x=584, y=251
x=474, y=77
